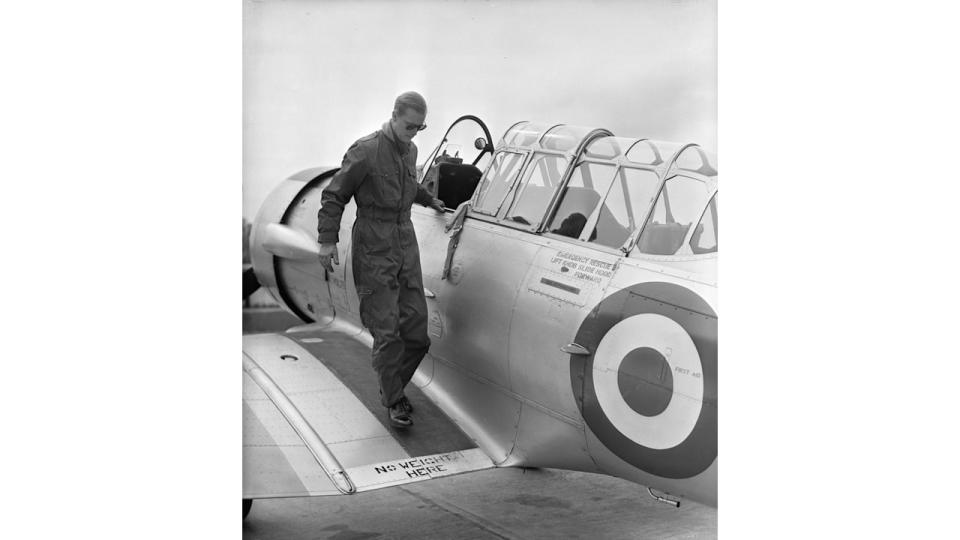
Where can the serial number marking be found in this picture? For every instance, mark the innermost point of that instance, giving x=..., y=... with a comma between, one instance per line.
x=685, y=371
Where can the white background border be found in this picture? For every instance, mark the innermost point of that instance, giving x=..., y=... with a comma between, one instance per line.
x=122, y=158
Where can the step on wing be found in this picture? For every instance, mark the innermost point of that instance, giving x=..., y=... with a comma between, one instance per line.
x=313, y=423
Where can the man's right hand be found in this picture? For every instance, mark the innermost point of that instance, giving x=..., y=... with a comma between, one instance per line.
x=328, y=252
x=437, y=205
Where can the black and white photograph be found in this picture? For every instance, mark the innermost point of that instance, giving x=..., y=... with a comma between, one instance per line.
x=480, y=269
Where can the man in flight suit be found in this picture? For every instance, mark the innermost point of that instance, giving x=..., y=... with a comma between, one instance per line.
x=380, y=172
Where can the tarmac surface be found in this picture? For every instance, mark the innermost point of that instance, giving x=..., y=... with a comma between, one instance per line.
x=499, y=503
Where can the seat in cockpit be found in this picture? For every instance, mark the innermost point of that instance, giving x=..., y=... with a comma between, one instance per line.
x=456, y=183
x=662, y=238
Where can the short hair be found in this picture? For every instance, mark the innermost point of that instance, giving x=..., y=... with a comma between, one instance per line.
x=409, y=100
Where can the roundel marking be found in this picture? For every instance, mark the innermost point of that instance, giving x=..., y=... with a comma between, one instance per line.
x=662, y=423
x=641, y=366
x=670, y=427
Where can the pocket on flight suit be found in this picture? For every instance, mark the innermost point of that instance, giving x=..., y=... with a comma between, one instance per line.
x=388, y=187
x=373, y=256
x=412, y=279
x=412, y=275
x=364, y=292
x=370, y=239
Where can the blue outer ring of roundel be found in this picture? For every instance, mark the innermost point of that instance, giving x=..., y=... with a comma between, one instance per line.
x=699, y=450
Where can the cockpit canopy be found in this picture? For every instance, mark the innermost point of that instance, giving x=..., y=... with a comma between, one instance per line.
x=650, y=197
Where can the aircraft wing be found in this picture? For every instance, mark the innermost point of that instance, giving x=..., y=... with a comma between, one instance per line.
x=313, y=423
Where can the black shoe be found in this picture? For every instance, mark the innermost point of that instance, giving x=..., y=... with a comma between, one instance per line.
x=405, y=403
x=398, y=417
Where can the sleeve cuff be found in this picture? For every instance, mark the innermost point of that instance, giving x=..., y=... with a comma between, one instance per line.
x=328, y=238
x=423, y=198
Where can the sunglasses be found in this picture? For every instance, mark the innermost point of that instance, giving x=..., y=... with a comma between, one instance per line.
x=420, y=127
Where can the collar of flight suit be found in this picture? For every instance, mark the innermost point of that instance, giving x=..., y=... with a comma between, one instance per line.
x=387, y=129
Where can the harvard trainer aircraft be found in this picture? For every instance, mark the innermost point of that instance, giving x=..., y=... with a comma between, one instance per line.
x=572, y=296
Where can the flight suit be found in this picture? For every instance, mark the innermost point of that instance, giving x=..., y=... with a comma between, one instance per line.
x=380, y=173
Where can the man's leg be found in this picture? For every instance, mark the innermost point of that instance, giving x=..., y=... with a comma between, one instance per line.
x=379, y=313
x=413, y=331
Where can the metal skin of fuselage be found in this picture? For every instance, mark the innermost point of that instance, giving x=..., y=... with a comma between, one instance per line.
x=501, y=325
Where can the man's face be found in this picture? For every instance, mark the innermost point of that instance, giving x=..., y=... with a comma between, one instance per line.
x=407, y=125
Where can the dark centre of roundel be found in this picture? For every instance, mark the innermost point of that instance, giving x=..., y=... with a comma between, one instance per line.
x=645, y=381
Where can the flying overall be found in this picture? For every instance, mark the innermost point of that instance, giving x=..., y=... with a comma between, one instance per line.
x=380, y=172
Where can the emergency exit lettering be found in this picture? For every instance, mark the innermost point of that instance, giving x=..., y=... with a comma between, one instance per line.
x=585, y=267
x=581, y=275
x=571, y=257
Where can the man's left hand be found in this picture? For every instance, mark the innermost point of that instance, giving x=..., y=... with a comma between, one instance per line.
x=437, y=205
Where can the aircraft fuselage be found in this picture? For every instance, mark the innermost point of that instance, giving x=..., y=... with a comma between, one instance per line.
x=646, y=411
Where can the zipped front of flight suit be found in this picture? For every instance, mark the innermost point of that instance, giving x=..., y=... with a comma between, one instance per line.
x=402, y=240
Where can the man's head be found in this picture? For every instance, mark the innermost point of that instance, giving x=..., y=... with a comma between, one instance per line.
x=409, y=113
